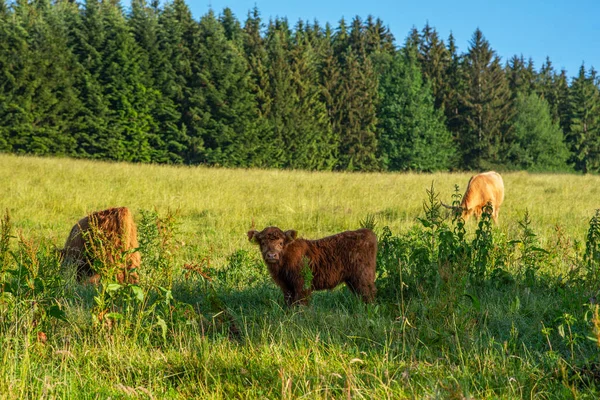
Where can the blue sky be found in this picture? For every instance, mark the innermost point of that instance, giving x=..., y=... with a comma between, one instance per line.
x=566, y=31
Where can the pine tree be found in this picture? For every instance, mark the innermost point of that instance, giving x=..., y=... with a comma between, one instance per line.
x=485, y=106
x=584, y=130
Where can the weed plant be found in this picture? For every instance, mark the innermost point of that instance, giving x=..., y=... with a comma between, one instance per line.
x=464, y=310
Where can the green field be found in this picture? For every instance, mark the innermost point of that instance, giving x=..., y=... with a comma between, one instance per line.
x=524, y=328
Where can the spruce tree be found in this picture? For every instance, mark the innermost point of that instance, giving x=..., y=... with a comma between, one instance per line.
x=563, y=102
x=282, y=94
x=180, y=37
x=130, y=101
x=168, y=139
x=331, y=88
x=270, y=152
x=231, y=26
x=40, y=103
x=356, y=115
x=225, y=104
x=454, y=85
x=546, y=87
x=435, y=60
x=584, y=130
x=310, y=143
x=485, y=111
x=378, y=38
x=521, y=76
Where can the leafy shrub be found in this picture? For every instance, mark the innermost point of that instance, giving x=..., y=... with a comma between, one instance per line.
x=482, y=246
x=158, y=245
x=245, y=269
x=532, y=255
x=592, y=250
x=31, y=284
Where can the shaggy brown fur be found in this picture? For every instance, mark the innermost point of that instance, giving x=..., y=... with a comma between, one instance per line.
x=346, y=257
x=483, y=188
x=105, y=236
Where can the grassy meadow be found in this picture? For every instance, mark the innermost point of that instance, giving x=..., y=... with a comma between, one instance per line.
x=525, y=327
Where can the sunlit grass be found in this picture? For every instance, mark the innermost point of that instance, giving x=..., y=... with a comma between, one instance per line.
x=215, y=207
x=436, y=346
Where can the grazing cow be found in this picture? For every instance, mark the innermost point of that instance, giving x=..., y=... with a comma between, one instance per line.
x=107, y=236
x=483, y=188
x=346, y=257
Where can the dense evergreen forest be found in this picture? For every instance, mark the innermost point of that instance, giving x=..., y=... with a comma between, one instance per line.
x=152, y=84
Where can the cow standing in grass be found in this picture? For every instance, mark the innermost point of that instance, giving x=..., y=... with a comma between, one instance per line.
x=107, y=237
x=482, y=189
x=346, y=257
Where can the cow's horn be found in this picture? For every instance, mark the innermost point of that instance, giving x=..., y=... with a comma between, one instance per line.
x=450, y=207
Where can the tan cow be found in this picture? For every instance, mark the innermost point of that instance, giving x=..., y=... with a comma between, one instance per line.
x=106, y=236
x=483, y=188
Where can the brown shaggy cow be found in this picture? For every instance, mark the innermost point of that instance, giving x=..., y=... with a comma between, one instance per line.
x=106, y=236
x=483, y=188
x=346, y=257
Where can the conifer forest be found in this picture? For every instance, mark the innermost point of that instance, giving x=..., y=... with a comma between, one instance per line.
x=152, y=84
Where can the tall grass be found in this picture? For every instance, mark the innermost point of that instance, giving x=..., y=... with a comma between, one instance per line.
x=215, y=207
x=464, y=310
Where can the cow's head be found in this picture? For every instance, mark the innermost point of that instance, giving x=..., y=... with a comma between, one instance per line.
x=272, y=242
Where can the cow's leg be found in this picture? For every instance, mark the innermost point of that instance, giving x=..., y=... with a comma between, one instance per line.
x=301, y=295
x=288, y=293
x=363, y=287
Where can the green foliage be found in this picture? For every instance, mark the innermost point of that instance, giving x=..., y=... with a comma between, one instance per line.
x=532, y=255
x=482, y=245
x=421, y=338
x=31, y=285
x=154, y=84
x=158, y=245
x=484, y=105
x=306, y=273
x=583, y=135
x=411, y=131
x=369, y=222
x=245, y=269
x=592, y=249
x=538, y=143
x=221, y=91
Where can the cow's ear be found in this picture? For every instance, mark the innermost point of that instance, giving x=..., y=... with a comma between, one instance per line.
x=290, y=235
x=253, y=236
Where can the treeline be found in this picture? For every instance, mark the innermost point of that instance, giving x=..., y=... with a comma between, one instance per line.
x=151, y=84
